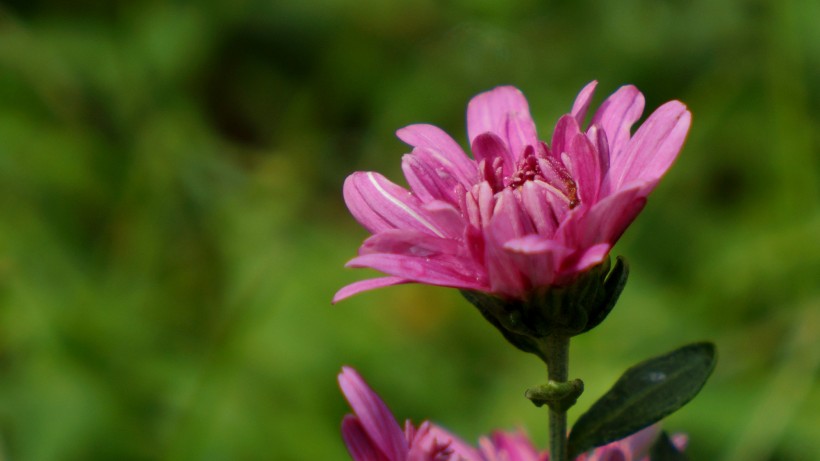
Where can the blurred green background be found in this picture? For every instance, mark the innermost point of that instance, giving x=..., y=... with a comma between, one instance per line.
x=172, y=229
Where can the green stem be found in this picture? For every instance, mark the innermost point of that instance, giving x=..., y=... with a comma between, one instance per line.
x=558, y=369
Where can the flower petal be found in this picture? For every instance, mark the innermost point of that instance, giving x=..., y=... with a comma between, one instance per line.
x=533, y=245
x=359, y=444
x=379, y=205
x=510, y=447
x=507, y=223
x=583, y=161
x=505, y=112
x=443, y=147
x=605, y=221
x=590, y=257
x=489, y=147
x=540, y=200
x=443, y=270
x=428, y=179
x=460, y=450
x=617, y=115
x=654, y=147
x=366, y=285
x=376, y=420
x=581, y=104
x=409, y=243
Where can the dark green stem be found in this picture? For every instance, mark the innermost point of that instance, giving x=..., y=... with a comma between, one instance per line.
x=558, y=369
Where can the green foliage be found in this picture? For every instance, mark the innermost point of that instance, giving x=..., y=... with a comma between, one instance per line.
x=643, y=395
x=172, y=230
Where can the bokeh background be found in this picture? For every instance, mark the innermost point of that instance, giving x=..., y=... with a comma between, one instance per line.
x=172, y=229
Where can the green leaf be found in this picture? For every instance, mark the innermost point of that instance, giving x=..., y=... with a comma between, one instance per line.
x=643, y=395
x=664, y=450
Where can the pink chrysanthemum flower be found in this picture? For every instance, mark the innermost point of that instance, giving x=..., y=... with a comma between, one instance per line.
x=372, y=434
x=520, y=214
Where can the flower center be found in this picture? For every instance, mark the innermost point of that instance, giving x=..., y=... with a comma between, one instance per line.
x=545, y=168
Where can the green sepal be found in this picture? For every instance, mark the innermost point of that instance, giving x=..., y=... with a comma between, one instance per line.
x=643, y=395
x=565, y=310
x=664, y=450
x=613, y=286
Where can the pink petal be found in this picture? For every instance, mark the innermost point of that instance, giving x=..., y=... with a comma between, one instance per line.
x=379, y=205
x=505, y=112
x=598, y=137
x=638, y=444
x=358, y=443
x=428, y=179
x=605, y=221
x=376, y=419
x=489, y=147
x=480, y=203
x=590, y=257
x=583, y=162
x=410, y=243
x=514, y=447
x=617, y=115
x=442, y=147
x=450, y=271
x=581, y=104
x=520, y=133
x=538, y=199
x=537, y=257
x=654, y=147
x=366, y=285
x=506, y=224
x=446, y=217
x=461, y=450
x=533, y=245
x=565, y=131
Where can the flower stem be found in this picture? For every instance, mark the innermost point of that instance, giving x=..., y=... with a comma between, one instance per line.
x=558, y=370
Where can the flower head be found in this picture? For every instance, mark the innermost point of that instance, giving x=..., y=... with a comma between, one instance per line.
x=372, y=434
x=520, y=214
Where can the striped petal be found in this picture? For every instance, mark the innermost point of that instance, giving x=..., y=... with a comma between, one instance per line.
x=380, y=205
